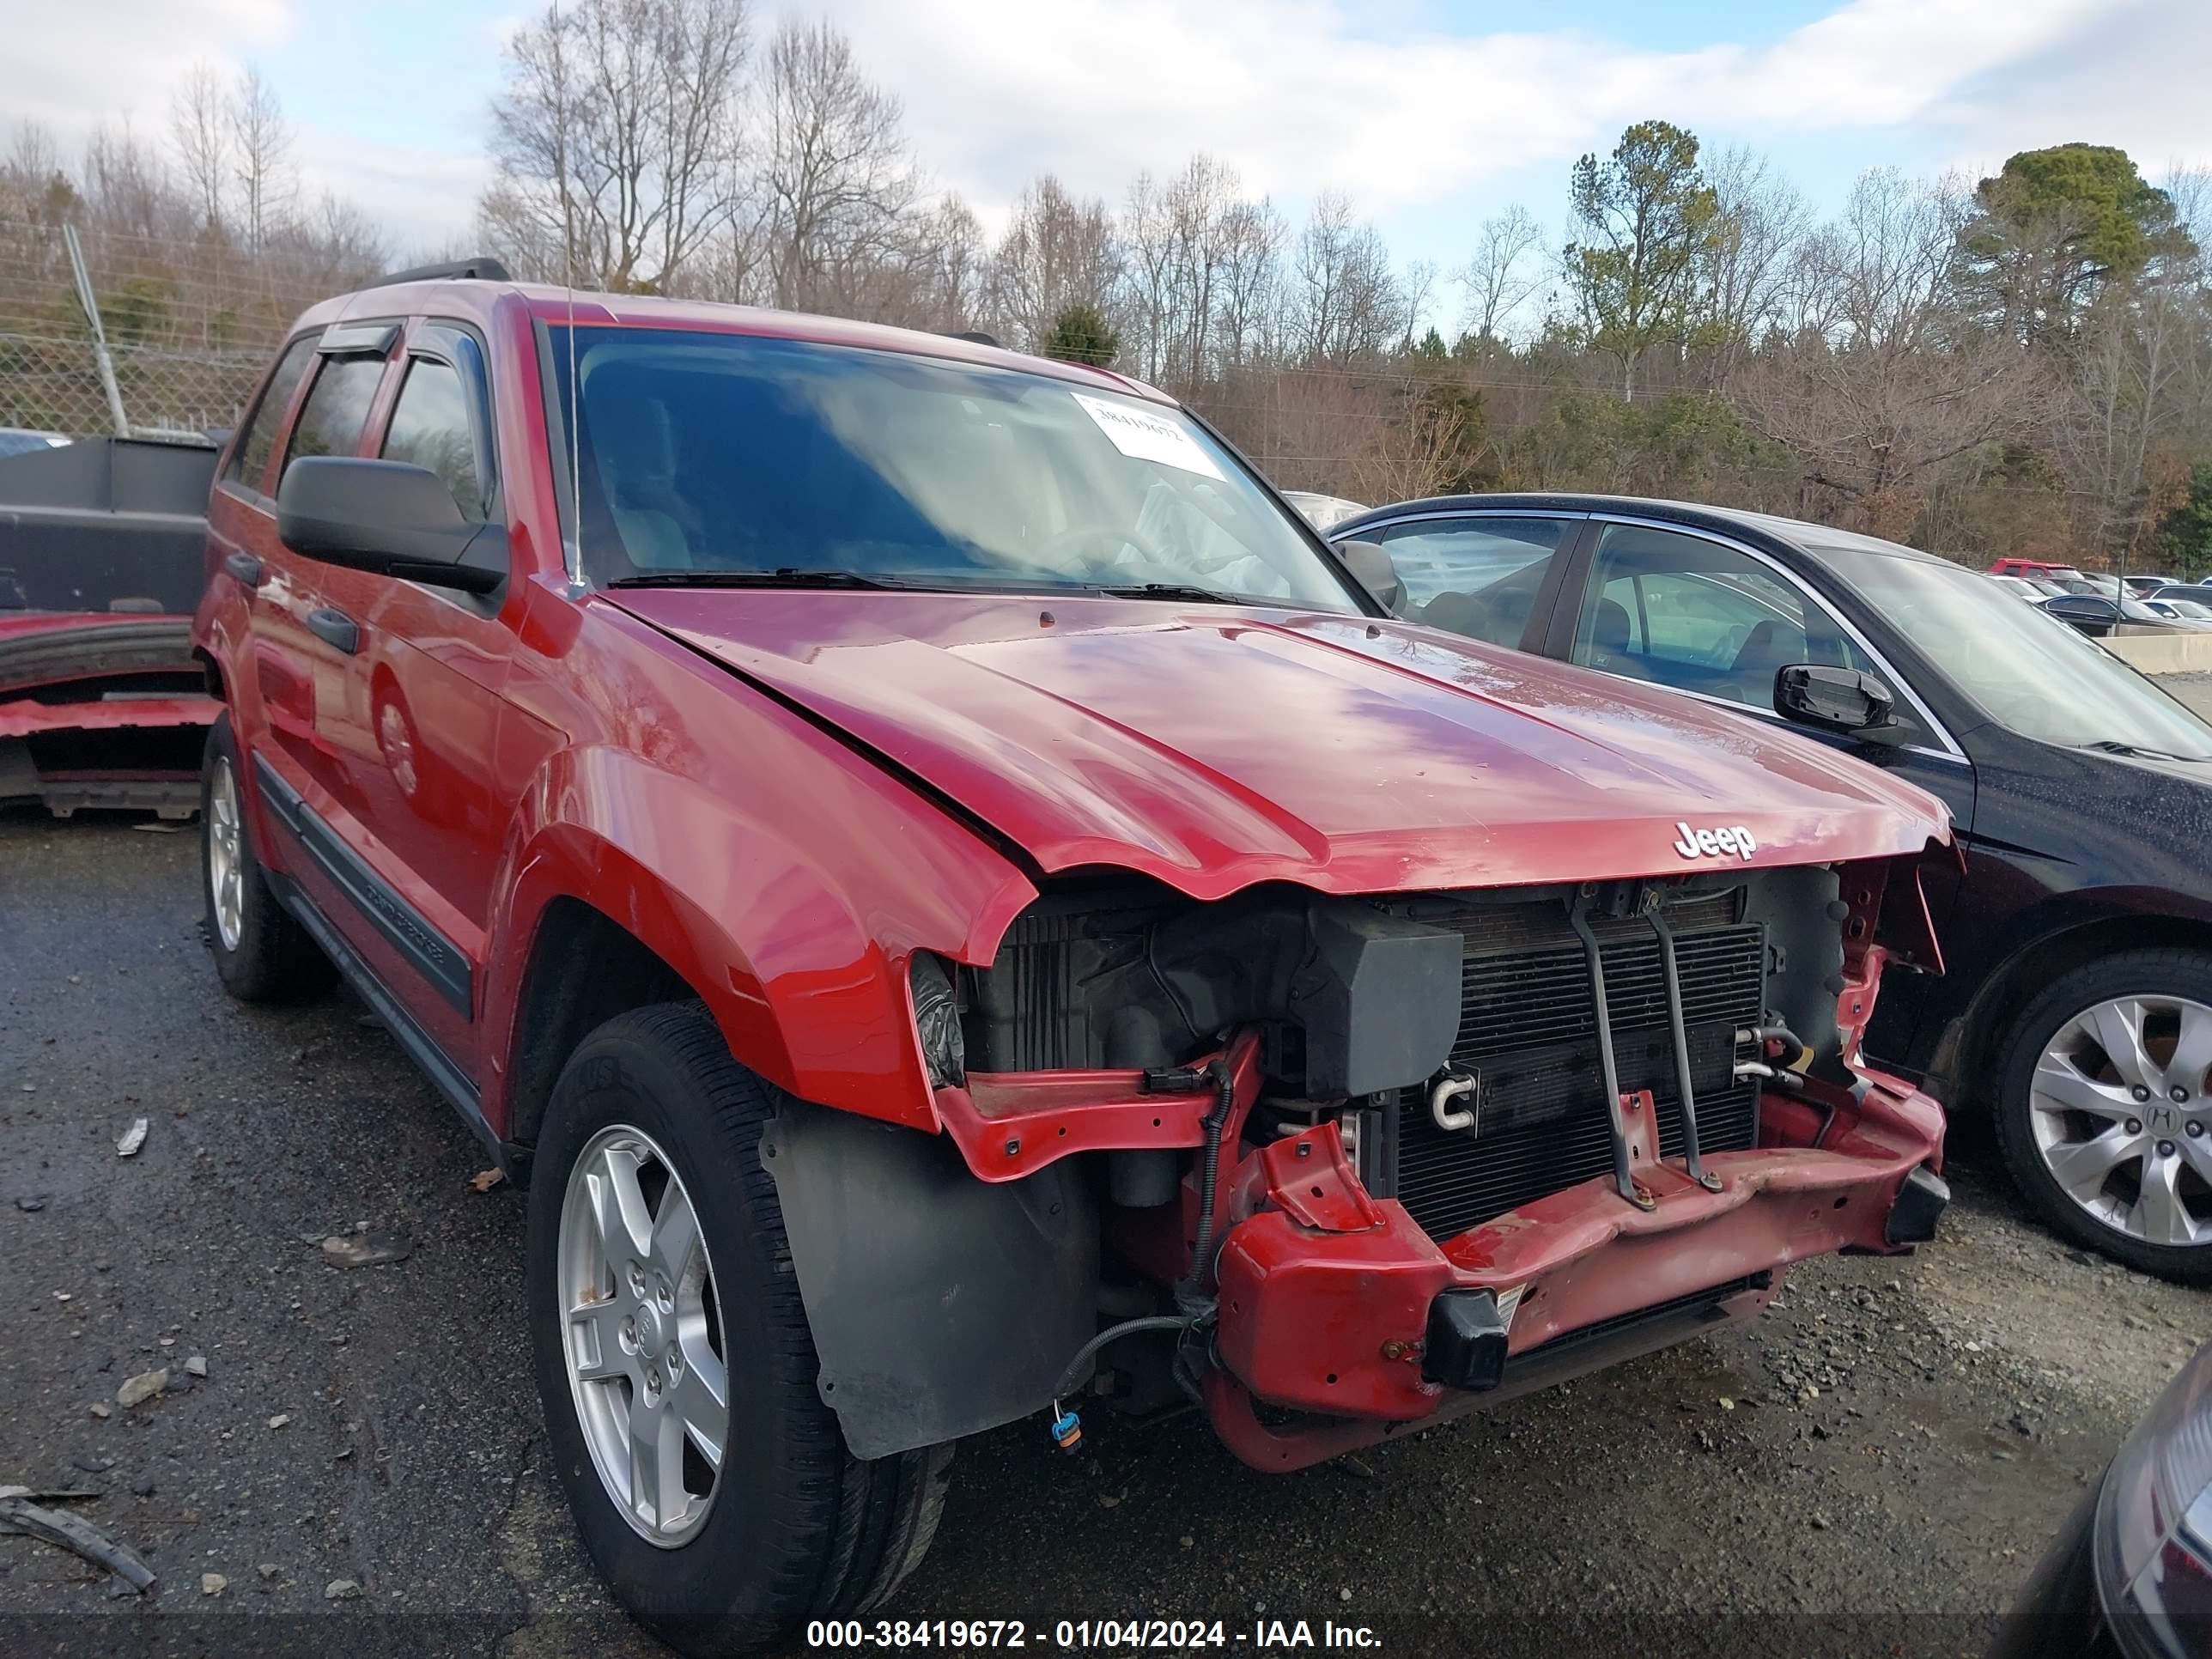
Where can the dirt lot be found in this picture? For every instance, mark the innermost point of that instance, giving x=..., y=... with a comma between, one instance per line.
x=1870, y=1471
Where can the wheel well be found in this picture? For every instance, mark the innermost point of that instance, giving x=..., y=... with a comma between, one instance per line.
x=584, y=968
x=2040, y=963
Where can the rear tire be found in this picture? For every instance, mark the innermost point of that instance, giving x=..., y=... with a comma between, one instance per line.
x=794, y=1526
x=262, y=953
x=2066, y=1102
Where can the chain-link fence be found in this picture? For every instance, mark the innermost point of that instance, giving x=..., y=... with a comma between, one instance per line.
x=190, y=325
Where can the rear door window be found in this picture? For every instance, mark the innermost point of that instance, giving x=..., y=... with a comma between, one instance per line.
x=250, y=460
x=1476, y=576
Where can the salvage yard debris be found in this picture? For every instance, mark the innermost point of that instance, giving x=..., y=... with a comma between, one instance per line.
x=365, y=1247
x=79, y=1536
x=128, y=1143
x=136, y=1390
x=484, y=1180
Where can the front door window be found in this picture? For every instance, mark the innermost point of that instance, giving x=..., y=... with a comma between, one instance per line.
x=1683, y=611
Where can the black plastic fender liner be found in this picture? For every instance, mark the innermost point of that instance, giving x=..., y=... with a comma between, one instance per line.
x=940, y=1305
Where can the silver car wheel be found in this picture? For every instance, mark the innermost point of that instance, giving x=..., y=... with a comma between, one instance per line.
x=226, y=862
x=2123, y=1120
x=643, y=1335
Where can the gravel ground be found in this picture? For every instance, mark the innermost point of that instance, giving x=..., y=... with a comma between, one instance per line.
x=2195, y=690
x=1872, y=1470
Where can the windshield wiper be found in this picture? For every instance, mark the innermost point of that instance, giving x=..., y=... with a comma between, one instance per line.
x=785, y=577
x=1182, y=590
x=2114, y=746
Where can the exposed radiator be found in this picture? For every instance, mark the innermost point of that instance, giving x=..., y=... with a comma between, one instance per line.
x=1528, y=1030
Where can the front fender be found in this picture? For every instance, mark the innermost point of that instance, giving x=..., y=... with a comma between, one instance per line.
x=794, y=933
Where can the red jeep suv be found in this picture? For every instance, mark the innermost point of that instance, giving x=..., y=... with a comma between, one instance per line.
x=955, y=908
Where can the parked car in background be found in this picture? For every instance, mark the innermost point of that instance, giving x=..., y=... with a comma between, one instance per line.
x=2191, y=611
x=2140, y=586
x=1322, y=511
x=911, y=854
x=2198, y=591
x=2021, y=589
x=2077, y=938
x=2031, y=568
x=2129, y=1574
x=20, y=441
x=2100, y=617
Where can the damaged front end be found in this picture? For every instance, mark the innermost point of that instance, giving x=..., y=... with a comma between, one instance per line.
x=1358, y=1165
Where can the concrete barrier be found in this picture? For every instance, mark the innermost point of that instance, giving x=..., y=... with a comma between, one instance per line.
x=2164, y=654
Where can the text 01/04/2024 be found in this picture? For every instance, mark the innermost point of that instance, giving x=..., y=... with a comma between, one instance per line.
x=1118, y=1634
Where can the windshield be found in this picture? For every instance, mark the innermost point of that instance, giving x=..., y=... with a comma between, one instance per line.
x=2022, y=669
x=708, y=457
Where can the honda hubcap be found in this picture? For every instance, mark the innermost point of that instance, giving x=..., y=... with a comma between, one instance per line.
x=2123, y=1119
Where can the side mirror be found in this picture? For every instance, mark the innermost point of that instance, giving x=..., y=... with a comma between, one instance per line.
x=390, y=518
x=1837, y=700
x=1371, y=566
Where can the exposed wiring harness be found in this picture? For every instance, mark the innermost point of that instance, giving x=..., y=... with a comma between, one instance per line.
x=1195, y=1307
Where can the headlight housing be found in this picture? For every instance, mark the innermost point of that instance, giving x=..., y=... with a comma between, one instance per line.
x=2154, y=1532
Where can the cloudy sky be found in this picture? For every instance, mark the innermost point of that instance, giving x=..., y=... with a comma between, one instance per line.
x=1431, y=113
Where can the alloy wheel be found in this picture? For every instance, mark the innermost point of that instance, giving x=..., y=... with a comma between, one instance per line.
x=2123, y=1119
x=643, y=1335
x=226, y=864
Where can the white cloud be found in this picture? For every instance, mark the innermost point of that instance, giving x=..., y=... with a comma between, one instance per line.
x=71, y=68
x=2133, y=81
x=1299, y=98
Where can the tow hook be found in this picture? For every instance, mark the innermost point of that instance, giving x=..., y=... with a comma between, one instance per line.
x=1920, y=1202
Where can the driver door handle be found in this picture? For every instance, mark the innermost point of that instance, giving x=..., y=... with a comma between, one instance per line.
x=335, y=628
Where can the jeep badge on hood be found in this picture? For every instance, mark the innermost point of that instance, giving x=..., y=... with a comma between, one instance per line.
x=1713, y=843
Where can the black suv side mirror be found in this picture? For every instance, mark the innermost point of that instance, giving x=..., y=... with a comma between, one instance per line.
x=1837, y=700
x=387, y=517
x=1371, y=567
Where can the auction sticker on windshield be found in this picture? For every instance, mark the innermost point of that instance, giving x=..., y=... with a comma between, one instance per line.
x=1143, y=436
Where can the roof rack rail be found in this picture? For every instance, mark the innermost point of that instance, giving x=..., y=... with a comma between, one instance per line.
x=482, y=268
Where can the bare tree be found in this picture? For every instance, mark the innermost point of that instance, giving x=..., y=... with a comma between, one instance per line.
x=616, y=139
x=1897, y=387
x=260, y=155
x=1057, y=252
x=1761, y=221
x=200, y=135
x=1252, y=237
x=838, y=182
x=1502, y=271
x=1346, y=303
x=1148, y=270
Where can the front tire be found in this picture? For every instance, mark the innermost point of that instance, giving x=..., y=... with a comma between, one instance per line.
x=2105, y=1108
x=262, y=954
x=712, y=1487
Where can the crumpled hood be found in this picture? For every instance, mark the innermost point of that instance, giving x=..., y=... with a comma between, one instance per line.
x=1214, y=747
